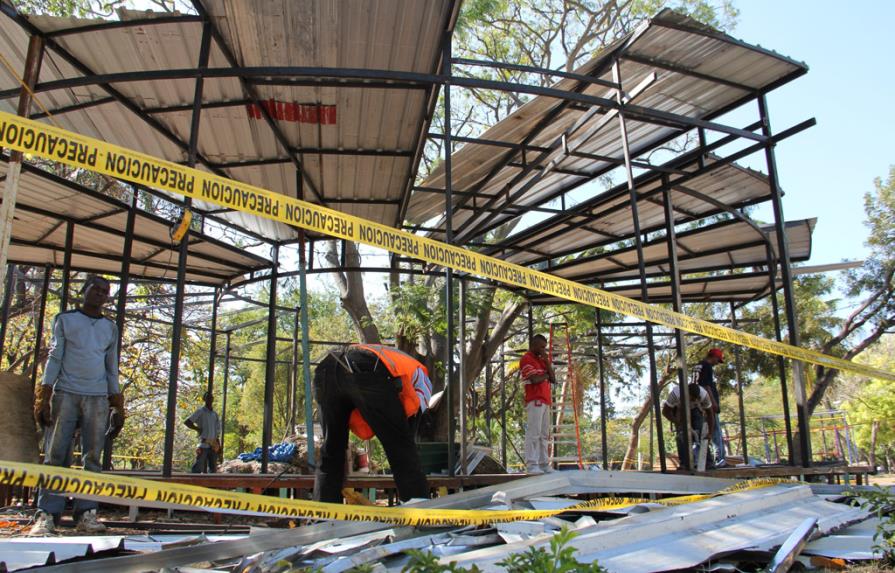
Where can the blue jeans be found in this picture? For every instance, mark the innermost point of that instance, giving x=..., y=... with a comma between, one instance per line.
x=717, y=440
x=70, y=412
x=206, y=461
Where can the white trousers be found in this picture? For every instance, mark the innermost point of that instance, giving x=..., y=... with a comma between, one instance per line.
x=537, y=432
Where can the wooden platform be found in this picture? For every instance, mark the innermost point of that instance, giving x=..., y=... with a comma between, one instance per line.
x=296, y=481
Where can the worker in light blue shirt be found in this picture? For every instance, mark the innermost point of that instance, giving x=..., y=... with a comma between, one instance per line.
x=206, y=422
x=79, y=387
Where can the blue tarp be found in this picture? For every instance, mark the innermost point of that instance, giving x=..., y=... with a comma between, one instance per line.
x=281, y=452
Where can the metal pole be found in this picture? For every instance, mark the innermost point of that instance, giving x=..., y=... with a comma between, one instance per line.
x=461, y=367
x=781, y=362
x=7, y=302
x=604, y=435
x=293, y=378
x=489, y=382
x=224, y=399
x=449, y=239
x=270, y=371
x=121, y=304
x=644, y=295
x=802, y=413
x=680, y=342
x=11, y=188
x=736, y=358
x=305, y=343
x=180, y=290
x=503, y=406
x=125, y=269
x=66, y=265
x=213, y=343
x=38, y=341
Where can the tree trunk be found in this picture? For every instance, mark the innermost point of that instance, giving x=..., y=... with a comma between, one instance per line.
x=873, y=432
x=351, y=291
x=646, y=408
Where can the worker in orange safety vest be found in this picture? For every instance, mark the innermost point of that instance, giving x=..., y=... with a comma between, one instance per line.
x=370, y=389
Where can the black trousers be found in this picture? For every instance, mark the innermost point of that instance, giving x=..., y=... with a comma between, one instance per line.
x=370, y=388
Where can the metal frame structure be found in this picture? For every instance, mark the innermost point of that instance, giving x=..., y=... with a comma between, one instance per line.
x=534, y=161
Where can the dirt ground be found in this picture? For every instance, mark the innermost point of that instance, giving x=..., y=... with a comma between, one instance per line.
x=882, y=479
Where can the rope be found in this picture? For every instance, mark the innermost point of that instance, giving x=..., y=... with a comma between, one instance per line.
x=25, y=86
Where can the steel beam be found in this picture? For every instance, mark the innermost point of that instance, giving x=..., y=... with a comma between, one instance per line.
x=802, y=412
x=638, y=240
x=449, y=238
x=38, y=335
x=270, y=371
x=680, y=343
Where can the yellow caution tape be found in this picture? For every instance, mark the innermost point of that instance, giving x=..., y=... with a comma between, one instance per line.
x=88, y=153
x=135, y=491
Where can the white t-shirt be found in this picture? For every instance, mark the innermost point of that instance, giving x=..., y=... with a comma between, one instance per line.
x=704, y=403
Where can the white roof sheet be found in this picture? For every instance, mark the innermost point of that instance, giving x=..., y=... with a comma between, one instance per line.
x=676, y=41
x=726, y=245
x=43, y=206
x=396, y=35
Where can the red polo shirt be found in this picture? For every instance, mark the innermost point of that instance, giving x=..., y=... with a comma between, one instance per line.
x=530, y=366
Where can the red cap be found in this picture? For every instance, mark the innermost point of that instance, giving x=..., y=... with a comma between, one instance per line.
x=716, y=352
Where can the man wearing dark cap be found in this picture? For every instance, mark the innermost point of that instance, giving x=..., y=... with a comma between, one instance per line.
x=704, y=376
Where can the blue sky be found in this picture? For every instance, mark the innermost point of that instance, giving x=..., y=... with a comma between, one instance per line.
x=850, y=90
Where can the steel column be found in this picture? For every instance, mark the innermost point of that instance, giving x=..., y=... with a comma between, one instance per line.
x=601, y=364
x=638, y=239
x=781, y=362
x=503, y=406
x=38, y=339
x=461, y=370
x=802, y=413
x=125, y=270
x=213, y=343
x=11, y=187
x=489, y=383
x=122, y=300
x=270, y=370
x=680, y=342
x=293, y=376
x=7, y=301
x=183, y=252
x=66, y=265
x=449, y=239
x=306, y=354
x=224, y=398
x=736, y=357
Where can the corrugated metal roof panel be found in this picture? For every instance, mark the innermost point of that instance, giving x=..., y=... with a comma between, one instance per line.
x=399, y=35
x=38, y=236
x=682, y=537
x=689, y=47
x=731, y=244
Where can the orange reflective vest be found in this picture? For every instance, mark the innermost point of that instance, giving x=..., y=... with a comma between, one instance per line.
x=400, y=365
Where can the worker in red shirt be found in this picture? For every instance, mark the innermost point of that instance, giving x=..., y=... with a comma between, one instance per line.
x=538, y=375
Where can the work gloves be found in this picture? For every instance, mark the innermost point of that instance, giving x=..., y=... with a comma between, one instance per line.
x=116, y=419
x=42, y=402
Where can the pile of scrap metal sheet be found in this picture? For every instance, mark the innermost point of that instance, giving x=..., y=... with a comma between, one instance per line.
x=726, y=531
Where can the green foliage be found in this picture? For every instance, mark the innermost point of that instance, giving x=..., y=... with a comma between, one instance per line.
x=558, y=559
x=423, y=562
x=876, y=272
x=872, y=401
x=881, y=502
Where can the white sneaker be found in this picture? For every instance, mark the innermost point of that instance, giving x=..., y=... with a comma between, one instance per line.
x=548, y=469
x=43, y=526
x=535, y=471
x=88, y=523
